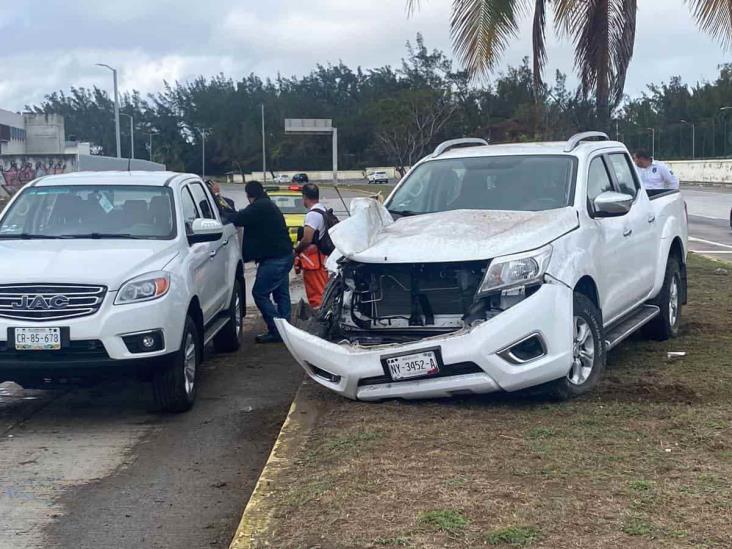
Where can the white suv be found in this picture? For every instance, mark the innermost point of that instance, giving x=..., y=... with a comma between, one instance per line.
x=108, y=273
x=496, y=268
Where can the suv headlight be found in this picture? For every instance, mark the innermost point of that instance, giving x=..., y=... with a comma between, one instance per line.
x=514, y=271
x=143, y=288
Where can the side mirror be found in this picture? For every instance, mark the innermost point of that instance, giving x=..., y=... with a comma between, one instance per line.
x=612, y=204
x=205, y=230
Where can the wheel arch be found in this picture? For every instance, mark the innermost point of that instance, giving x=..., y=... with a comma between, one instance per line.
x=588, y=287
x=677, y=251
x=196, y=313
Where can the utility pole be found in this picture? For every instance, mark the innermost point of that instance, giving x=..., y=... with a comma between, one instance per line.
x=335, y=156
x=132, y=133
x=264, y=149
x=149, y=146
x=116, y=108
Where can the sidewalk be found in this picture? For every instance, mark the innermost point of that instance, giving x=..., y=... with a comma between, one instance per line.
x=643, y=462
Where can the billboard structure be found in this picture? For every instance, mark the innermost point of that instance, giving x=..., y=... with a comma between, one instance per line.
x=316, y=126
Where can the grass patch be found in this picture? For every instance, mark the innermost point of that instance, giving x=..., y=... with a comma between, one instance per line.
x=516, y=536
x=444, y=520
x=645, y=460
x=399, y=541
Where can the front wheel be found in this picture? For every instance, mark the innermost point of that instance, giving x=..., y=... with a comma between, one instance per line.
x=666, y=324
x=588, y=352
x=174, y=386
x=228, y=339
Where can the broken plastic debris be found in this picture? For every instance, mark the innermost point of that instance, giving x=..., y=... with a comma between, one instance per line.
x=721, y=271
x=675, y=354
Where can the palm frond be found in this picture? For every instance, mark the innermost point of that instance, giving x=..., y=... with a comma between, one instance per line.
x=622, y=42
x=481, y=29
x=413, y=6
x=715, y=18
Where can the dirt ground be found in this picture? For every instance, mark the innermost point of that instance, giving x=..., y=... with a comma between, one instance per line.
x=645, y=461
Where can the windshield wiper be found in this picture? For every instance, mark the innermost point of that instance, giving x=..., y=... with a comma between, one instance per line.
x=97, y=236
x=28, y=236
x=404, y=213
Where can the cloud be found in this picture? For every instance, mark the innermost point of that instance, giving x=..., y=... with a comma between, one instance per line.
x=155, y=40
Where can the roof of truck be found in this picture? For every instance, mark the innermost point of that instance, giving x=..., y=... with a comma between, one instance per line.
x=548, y=147
x=152, y=179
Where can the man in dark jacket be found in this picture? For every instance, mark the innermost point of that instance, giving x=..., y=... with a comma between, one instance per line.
x=266, y=242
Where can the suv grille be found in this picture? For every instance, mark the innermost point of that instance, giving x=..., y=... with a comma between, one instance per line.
x=43, y=302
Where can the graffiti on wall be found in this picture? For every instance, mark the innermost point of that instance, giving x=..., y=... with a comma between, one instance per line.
x=17, y=170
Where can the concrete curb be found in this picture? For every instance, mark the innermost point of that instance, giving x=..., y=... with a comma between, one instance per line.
x=257, y=514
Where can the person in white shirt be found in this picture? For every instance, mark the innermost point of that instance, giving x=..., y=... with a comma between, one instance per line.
x=654, y=174
x=309, y=260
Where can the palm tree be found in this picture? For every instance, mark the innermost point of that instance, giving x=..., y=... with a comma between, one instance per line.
x=603, y=33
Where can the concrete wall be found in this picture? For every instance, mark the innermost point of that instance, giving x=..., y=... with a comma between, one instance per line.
x=44, y=134
x=325, y=176
x=12, y=120
x=91, y=163
x=702, y=171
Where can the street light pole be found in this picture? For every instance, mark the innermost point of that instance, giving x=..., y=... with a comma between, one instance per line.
x=132, y=133
x=149, y=146
x=116, y=108
x=724, y=110
x=693, y=138
x=203, y=131
x=264, y=150
x=653, y=141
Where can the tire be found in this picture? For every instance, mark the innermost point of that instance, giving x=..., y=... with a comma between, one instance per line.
x=666, y=325
x=228, y=340
x=174, y=386
x=588, y=362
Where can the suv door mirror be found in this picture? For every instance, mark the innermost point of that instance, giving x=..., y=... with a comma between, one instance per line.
x=205, y=230
x=612, y=204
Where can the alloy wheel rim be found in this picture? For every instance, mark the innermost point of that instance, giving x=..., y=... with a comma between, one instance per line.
x=189, y=368
x=583, y=358
x=673, y=302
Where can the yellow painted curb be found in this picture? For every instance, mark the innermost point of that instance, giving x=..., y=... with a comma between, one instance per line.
x=257, y=516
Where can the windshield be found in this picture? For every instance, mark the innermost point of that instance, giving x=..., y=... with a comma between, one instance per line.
x=518, y=183
x=289, y=204
x=89, y=211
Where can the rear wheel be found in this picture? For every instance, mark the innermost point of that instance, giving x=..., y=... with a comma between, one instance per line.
x=228, y=339
x=666, y=324
x=588, y=352
x=174, y=386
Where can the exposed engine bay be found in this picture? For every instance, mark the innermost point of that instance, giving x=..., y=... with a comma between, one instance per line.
x=372, y=304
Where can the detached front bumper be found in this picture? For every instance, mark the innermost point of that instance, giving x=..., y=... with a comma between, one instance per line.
x=471, y=357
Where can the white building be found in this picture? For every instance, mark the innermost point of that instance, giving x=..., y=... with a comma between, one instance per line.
x=32, y=133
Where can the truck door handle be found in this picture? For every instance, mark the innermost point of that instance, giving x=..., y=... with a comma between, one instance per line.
x=627, y=232
x=652, y=219
x=225, y=243
x=213, y=253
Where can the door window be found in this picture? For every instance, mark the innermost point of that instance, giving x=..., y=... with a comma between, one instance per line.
x=620, y=164
x=188, y=206
x=204, y=206
x=598, y=180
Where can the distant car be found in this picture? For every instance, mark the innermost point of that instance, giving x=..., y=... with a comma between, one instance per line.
x=378, y=177
x=282, y=179
x=289, y=201
x=300, y=178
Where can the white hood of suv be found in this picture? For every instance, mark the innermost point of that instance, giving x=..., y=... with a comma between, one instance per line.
x=104, y=262
x=370, y=235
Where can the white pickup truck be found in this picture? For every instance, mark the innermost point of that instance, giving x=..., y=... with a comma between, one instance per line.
x=496, y=268
x=109, y=273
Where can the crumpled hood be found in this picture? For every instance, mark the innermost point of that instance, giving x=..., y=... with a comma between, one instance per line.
x=106, y=262
x=371, y=235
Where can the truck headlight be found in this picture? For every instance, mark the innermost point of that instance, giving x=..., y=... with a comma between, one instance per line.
x=515, y=271
x=143, y=288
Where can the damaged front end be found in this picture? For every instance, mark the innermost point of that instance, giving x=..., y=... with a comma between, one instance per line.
x=376, y=304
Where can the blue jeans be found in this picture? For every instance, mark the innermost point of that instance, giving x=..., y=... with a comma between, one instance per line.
x=273, y=279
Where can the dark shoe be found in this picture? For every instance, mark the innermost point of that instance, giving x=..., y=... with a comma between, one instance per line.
x=268, y=338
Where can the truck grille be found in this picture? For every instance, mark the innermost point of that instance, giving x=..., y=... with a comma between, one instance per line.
x=45, y=302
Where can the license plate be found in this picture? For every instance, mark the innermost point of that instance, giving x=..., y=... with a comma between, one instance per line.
x=413, y=365
x=37, y=339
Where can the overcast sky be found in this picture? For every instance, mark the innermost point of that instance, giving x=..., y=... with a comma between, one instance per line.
x=47, y=45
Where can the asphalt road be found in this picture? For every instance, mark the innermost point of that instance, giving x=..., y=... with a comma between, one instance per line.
x=709, y=230
x=94, y=468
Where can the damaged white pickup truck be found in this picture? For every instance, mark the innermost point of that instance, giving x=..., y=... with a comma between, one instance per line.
x=496, y=268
